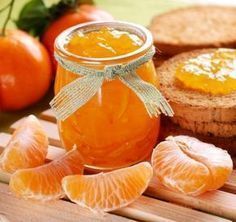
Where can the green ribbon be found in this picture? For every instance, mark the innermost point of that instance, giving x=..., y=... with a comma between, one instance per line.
x=77, y=93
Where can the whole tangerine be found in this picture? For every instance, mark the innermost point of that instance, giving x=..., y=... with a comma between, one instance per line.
x=25, y=70
x=83, y=13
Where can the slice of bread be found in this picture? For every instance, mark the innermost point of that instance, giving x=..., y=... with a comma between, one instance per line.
x=169, y=128
x=207, y=128
x=195, y=27
x=195, y=107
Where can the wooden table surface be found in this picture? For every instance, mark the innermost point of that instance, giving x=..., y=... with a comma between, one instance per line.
x=157, y=204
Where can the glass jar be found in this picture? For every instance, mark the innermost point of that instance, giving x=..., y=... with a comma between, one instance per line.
x=113, y=129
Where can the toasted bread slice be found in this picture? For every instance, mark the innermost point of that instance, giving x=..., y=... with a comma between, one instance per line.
x=170, y=128
x=194, y=27
x=199, y=112
x=192, y=105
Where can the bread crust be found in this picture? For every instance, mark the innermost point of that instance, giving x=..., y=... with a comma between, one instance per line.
x=209, y=128
x=169, y=128
x=194, y=27
x=192, y=105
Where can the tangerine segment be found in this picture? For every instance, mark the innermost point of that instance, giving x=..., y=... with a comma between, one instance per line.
x=108, y=191
x=218, y=161
x=44, y=182
x=189, y=166
x=177, y=171
x=27, y=147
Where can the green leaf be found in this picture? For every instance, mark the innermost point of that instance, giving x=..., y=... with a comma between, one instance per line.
x=56, y=10
x=34, y=17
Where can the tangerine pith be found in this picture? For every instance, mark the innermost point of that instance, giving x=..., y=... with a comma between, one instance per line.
x=113, y=129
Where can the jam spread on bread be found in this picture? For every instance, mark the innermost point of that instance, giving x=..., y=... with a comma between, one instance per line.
x=213, y=73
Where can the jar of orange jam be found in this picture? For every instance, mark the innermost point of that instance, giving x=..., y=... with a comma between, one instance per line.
x=113, y=129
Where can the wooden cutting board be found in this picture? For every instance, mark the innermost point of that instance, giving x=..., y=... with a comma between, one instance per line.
x=157, y=204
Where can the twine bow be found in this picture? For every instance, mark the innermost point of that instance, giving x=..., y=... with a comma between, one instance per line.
x=77, y=93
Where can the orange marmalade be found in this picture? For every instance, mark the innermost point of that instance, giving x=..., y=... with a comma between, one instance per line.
x=213, y=73
x=113, y=129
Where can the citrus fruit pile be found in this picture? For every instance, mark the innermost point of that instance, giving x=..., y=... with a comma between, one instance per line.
x=183, y=164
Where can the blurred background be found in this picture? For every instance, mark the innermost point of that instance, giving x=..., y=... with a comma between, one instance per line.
x=138, y=11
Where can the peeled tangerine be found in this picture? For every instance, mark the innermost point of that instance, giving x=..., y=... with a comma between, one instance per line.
x=44, y=182
x=27, y=148
x=189, y=166
x=108, y=191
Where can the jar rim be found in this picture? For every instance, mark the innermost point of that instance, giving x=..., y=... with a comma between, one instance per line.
x=90, y=26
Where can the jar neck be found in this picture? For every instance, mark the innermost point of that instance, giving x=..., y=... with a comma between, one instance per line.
x=131, y=28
